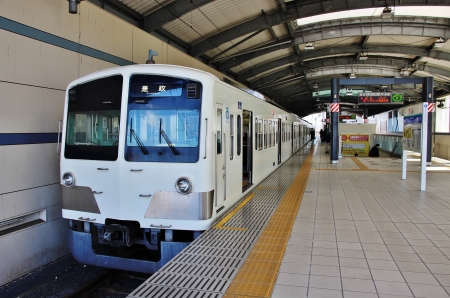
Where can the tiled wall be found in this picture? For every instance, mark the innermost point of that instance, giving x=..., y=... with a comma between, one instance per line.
x=39, y=57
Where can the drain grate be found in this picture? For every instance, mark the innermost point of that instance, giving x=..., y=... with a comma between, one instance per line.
x=156, y=291
x=208, y=265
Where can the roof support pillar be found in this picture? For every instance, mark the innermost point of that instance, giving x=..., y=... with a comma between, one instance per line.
x=427, y=96
x=334, y=141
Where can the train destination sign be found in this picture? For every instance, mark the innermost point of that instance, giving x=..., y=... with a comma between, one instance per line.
x=380, y=98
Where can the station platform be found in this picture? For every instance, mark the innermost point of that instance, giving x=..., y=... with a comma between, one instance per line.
x=316, y=229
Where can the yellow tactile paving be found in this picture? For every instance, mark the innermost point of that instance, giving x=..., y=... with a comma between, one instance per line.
x=259, y=273
x=361, y=166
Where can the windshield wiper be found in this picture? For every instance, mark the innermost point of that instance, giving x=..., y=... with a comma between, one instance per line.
x=137, y=139
x=166, y=138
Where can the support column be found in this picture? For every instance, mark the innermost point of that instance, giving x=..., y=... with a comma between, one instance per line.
x=334, y=158
x=428, y=96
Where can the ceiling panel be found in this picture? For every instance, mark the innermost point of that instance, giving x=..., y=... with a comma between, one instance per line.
x=144, y=7
x=414, y=41
x=218, y=16
x=436, y=63
x=262, y=38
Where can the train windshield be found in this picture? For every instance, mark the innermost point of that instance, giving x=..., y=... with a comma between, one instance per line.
x=93, y=119
x=163, y=121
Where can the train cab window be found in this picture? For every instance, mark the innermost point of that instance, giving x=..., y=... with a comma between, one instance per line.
x=93, y=119
x=163, y=120
x=239, y=135
x=231, y=136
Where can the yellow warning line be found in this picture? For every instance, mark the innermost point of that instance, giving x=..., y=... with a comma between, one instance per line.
x=258, y=275
x=220, y=224
x=361, y=165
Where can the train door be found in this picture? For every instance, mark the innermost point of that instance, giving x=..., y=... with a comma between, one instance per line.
x=279, y=140
x=220, y=155
x=247, y=158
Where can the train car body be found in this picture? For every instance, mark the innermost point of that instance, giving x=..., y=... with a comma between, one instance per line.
x=152, y=155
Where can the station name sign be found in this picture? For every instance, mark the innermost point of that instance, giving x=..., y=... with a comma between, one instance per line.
x=380, y=98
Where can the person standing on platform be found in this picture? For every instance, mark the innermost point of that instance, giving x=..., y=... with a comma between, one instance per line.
x=313, y=135
x=374, y=152
x=322, y=135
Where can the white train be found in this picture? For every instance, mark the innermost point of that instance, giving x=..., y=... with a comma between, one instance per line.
x=152, y=155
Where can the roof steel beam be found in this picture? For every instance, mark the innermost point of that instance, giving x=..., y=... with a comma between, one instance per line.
x=411, y=26
x=327, y=62
x=370, y=49
x=296, y=10
x=171, y=12
x=344, y=30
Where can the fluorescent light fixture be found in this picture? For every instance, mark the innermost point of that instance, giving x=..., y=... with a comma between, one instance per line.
x=404, y=72
x=352, y=76
x=439, y=43
x=362, y=56
x=387, y=13
x=384, y=86
x=315, y=86
x=309, y=47
x=432, y=11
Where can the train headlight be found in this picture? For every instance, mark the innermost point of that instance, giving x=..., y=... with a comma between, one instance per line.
x=68, y=179
x=183, y=185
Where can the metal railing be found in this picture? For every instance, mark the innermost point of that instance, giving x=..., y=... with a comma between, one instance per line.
x=390, y=142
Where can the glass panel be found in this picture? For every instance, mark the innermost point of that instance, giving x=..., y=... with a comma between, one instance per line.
x=160, y=127
x=239, y=135
x=231, y=136
x=256, y=134
x=219, y=131
x=100, y=128
x=93, y=114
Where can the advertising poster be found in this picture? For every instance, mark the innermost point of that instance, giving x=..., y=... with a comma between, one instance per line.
x=355, y=143
x=412, y=129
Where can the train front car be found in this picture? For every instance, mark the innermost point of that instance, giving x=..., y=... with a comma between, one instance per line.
x=139, y=187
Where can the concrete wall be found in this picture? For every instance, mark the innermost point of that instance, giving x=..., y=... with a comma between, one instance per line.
x=42, y=49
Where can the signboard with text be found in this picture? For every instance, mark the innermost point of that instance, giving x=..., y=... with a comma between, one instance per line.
x=379, y=98
x=355, y=143
x=347, y=117
x=412, y=130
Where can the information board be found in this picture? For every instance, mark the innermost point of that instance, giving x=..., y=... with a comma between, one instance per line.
x=355, y=143
x=379, y=98
x=412, y=129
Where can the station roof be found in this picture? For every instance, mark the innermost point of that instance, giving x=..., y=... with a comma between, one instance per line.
x=288, y=50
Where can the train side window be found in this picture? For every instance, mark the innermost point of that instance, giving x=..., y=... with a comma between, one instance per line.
x=231, y=137
x=239, y=135
x=269, y=133
x=256, y=133
x=219, y=131
x=260, y=134
x=266, y=129
x=273, y=133
x=289, y=133
x=277, y=133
